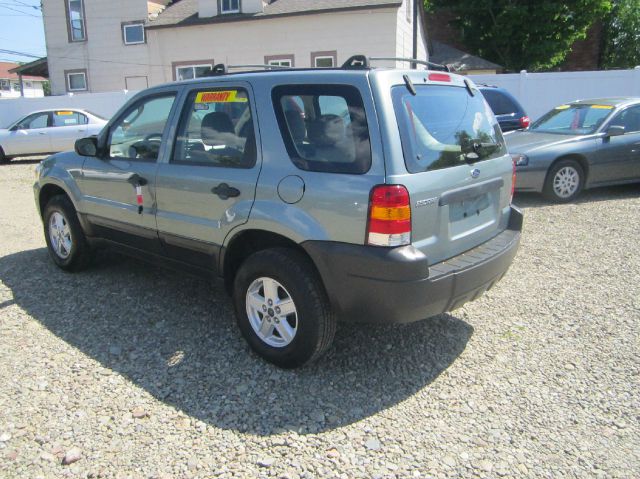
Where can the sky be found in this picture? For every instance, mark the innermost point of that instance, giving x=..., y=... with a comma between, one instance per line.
x=21, y=30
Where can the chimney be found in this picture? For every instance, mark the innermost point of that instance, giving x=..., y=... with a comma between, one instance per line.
x=207, y=8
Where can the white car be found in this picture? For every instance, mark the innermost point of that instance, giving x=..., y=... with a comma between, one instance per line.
x=47, y=131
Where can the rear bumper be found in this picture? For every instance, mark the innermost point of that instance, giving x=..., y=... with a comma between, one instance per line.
x=381, y=285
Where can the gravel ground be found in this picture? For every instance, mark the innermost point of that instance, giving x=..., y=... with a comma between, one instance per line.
x=131, y=371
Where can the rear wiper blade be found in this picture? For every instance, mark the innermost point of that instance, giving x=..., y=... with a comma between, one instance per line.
x=473, y=148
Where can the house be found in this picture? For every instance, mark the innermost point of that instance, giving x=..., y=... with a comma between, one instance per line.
x=95, y=46
x=32, y=86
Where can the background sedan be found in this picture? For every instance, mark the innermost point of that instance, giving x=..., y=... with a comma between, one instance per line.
x=578, y=145
x=47, y=131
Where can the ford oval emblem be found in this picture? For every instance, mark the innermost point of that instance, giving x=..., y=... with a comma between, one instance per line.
x=475, y=173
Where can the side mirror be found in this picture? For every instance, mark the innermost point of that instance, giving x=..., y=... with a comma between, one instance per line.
x=87, y=146
x=615, y=130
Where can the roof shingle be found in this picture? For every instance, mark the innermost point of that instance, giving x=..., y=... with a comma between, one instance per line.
x=185, y=12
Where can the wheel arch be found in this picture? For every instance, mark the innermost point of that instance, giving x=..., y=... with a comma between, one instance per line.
x=249, y=241
x=47, y=192
x=580, y=159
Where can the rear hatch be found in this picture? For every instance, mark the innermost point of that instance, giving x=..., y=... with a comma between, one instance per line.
x=447, y=149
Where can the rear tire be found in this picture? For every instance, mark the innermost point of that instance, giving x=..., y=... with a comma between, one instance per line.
x=65, y=239
x=3, y=158
x=282, y=308
x=564, y=182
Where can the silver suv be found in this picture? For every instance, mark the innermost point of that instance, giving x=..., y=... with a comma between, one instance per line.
x=353, y=193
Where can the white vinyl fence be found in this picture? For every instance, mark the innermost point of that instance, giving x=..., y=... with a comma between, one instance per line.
x=540, y=92
x=103, y=104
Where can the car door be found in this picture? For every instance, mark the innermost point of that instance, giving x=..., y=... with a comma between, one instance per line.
x=30, y=135
x=67, y=126
x=118, y=188
x=619, y=156
x=207, y=186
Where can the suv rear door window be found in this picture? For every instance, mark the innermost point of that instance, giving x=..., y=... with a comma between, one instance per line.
x=324, y=127
x=216, y=129
x=444, y=126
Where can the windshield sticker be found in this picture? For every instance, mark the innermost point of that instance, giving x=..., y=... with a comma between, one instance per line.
x=602, y=107
x=64, y=113
x=200, y=106
x=229, y=96
x=562, y=107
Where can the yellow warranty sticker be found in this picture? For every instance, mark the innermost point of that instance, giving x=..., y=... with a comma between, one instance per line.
x=63, y=113
x=562, y=107
x=602, y=107
x=227, y=96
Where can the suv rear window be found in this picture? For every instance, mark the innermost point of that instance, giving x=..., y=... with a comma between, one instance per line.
x=324, y=127
x=444, y=126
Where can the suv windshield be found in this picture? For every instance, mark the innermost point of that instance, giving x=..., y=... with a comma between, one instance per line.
x=573, y=119
x=444, y=126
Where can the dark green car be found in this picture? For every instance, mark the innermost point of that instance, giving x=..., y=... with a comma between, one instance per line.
x=578, y=145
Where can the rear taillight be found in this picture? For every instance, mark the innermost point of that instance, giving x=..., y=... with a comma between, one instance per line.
x=389, y=222
x=513, y=180
x=525, y=121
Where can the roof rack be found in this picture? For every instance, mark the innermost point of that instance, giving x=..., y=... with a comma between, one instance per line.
x=266, y=67
x=362, y=62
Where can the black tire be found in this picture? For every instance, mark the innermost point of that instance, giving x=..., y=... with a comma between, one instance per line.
x=314, y=319
x=79, y=255
x=3, y=158
x=552, y=193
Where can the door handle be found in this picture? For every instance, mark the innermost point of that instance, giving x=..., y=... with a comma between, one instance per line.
x=224, y=191
x=42, y=133
x=136, y=180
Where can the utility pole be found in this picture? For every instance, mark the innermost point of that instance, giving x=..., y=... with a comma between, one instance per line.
x=415, y=31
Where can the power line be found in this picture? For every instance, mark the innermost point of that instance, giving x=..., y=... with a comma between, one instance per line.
x=20, y=11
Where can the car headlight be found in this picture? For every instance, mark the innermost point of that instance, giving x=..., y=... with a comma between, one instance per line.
x=37, y=170
x=519, y=159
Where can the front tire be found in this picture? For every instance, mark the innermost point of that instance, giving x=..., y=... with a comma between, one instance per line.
x=282, y=308
x=564, y=181
x=65, y=239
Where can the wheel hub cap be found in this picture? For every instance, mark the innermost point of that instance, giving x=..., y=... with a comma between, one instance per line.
x=271, y=312
x=566, y=182
x=60, y=235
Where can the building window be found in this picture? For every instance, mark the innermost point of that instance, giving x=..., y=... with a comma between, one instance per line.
x=5, y=85
x=76, y=80
x=279, y=61
x=324, y=59
x=230, y=6
x=133, y=33
x=76, y=20
x=188, y=72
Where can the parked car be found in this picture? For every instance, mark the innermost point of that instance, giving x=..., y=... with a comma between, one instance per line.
x=313, y=196
x=579, y=145
x=508, y=111
x=47, y=131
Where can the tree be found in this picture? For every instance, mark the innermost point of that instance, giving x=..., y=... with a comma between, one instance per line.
x=621, y=44
x=523, y=34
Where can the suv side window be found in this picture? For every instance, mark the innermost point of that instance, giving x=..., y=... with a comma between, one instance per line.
x=629, y=118
x=137, y=134
x=216, y=129
x=324, y=127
